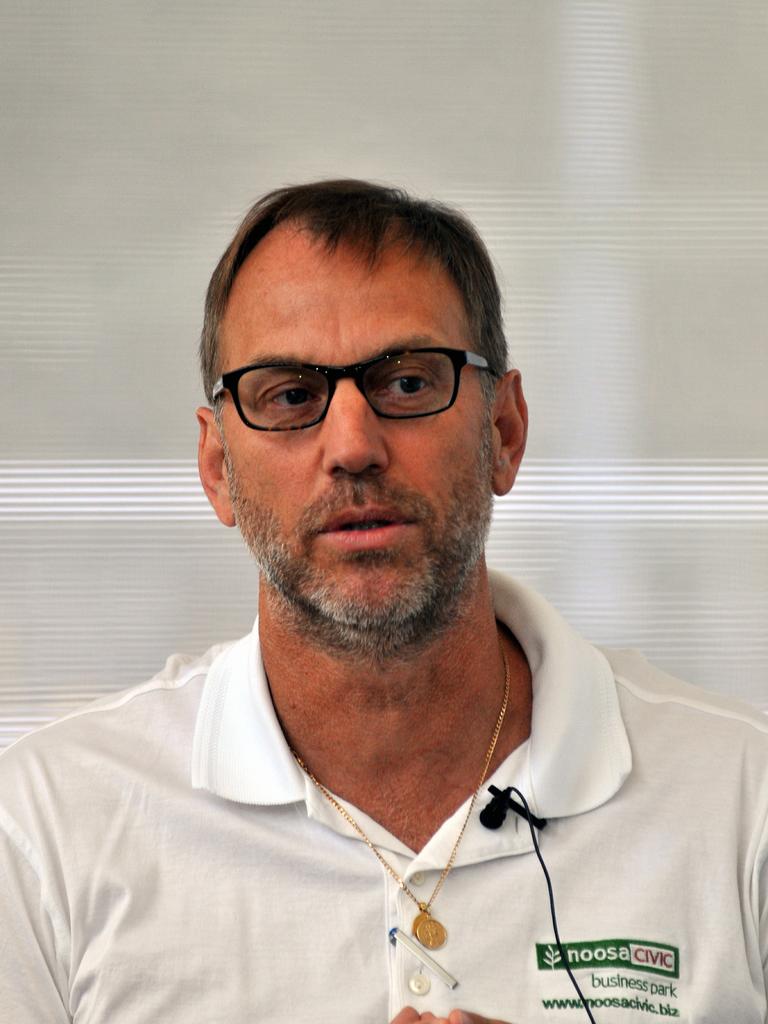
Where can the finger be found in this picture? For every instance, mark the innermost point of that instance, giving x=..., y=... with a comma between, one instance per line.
x=463, y=1017
x=407, y=1016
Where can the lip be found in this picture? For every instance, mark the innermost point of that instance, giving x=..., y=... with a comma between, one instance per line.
x=340, y=522
x=391, y=531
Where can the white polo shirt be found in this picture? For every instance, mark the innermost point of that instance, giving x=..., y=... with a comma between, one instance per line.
x=163, y=859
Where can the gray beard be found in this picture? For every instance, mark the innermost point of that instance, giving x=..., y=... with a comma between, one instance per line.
x=429, y=597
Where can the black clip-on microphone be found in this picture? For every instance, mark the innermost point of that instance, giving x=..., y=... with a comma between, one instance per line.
x=494, y=814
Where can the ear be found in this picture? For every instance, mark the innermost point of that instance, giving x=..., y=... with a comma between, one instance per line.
x=210, y=464
x=510, y=431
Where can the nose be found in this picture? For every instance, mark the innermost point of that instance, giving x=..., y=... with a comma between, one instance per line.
x=352, y=436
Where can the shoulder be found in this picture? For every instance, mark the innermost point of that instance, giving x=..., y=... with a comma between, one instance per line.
x=151, y=720
x=644, y=683
x=681, y=729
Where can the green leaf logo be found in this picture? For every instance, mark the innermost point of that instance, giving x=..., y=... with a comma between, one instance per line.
x=552, y=956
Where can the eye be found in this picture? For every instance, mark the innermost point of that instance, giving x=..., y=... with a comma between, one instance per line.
x=399, y=384
x=292, y=396
x=268, y=390
x=409, y=385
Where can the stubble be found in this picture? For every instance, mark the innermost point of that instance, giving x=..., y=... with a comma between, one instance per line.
x=358, y=622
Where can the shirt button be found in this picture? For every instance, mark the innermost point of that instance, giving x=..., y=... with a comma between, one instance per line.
x=417, y=878
x=419, y=984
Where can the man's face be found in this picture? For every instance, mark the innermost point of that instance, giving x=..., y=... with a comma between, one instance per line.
x=367, y=530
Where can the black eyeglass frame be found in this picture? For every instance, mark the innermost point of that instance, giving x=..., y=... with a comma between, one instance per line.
x=459, y=358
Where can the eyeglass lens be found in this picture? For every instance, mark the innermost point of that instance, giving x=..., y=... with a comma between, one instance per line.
x=408, y=384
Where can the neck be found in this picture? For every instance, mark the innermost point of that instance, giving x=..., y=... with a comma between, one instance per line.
x=379, y=734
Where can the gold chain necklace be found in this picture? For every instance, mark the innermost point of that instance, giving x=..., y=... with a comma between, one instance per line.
x=429, y=931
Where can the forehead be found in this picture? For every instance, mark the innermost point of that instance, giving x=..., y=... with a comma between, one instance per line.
x=293, y=297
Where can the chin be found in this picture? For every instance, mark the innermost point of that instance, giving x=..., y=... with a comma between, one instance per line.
x=377, y=607
x=374, y=582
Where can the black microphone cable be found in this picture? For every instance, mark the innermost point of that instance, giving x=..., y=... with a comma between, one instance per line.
x=531, y=818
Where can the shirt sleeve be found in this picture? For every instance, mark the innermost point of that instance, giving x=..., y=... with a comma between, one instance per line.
x=760, y=901
x=34, y=937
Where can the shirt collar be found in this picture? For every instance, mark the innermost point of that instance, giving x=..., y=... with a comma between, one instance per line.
x=578, y=754
x=239, y=750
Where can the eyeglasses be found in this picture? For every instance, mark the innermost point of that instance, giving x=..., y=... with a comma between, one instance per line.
x=398, y=386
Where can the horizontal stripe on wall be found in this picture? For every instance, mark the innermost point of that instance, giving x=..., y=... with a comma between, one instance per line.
x=170, y=490
x=88, y=607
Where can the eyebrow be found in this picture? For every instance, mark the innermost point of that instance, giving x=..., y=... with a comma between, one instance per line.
x=400, y=345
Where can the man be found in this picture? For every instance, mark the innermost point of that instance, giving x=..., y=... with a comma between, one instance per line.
x=288, y=829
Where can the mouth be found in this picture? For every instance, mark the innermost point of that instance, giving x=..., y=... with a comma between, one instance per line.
x=377, y=524
x=362, y=520
x=368, y=524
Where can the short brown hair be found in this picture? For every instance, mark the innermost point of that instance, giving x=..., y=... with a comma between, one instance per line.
x=369, y=217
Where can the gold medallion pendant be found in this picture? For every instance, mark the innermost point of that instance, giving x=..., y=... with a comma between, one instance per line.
x=428, y=931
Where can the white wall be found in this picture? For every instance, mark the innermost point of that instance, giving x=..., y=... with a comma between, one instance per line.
x=614, y=155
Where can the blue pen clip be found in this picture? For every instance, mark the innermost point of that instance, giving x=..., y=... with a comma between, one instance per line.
x=395, y=935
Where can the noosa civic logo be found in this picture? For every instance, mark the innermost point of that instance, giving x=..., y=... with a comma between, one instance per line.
x=632, y=954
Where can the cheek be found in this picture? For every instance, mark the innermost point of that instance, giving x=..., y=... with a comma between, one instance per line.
x=274, y=493
x=251, y=480
x=447, y=474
